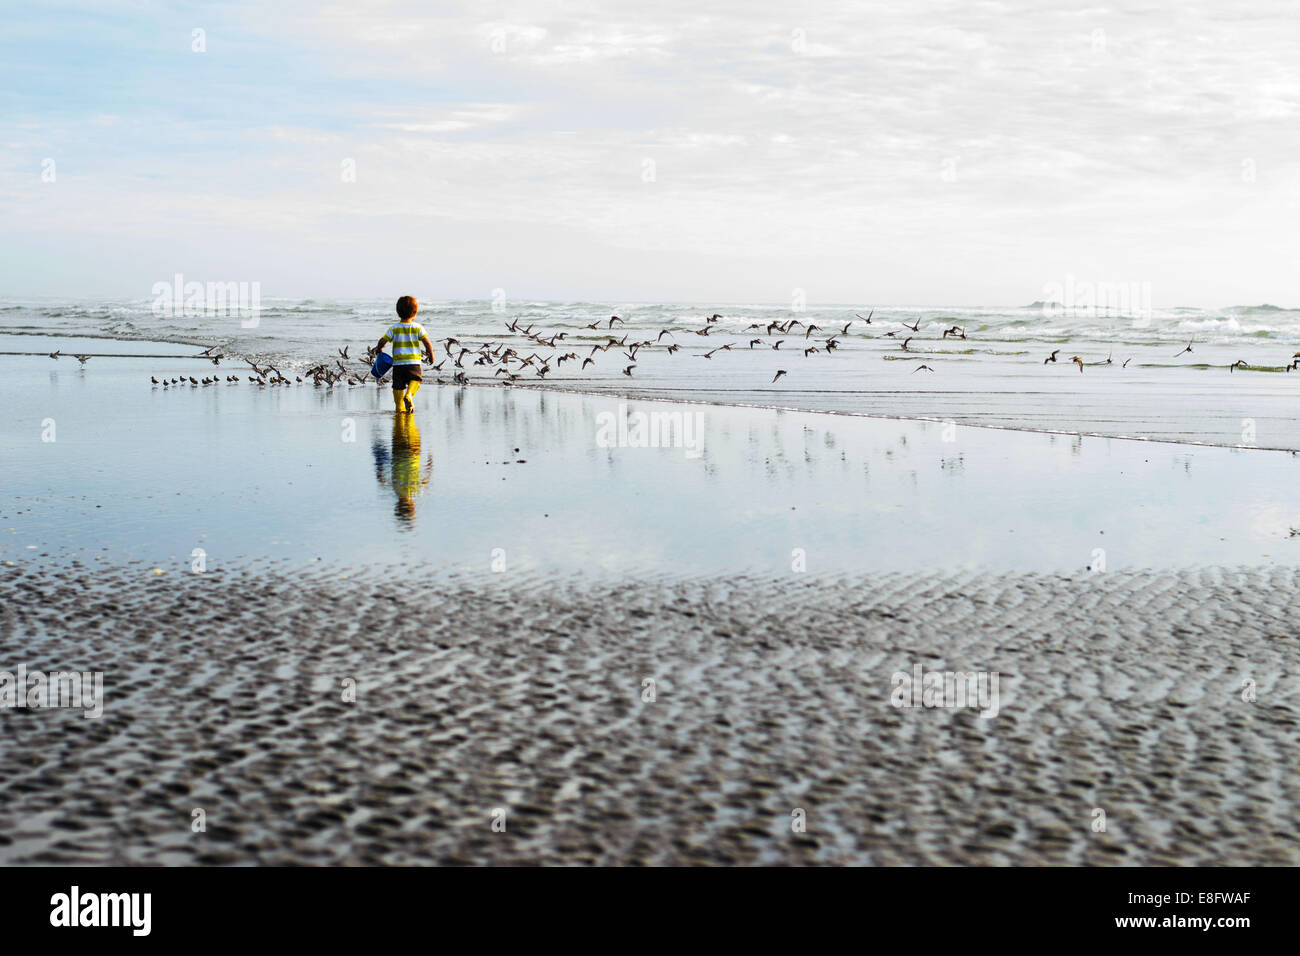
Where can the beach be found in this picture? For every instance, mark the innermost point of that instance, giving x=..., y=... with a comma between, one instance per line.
x=478, y=701
x=575, y=624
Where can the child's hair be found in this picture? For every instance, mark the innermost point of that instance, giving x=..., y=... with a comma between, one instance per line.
x=407, y=306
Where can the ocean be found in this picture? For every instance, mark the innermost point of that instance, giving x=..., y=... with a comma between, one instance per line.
x=1134, y=378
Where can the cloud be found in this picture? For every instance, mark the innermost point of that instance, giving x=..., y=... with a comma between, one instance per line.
x=957, y=151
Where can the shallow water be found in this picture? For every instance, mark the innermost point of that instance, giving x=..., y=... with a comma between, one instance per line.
x=521, y=480
x=996, y=376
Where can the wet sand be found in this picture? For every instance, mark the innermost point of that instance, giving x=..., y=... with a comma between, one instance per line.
x=224, y=555
x=242, y=473
x=475, y=693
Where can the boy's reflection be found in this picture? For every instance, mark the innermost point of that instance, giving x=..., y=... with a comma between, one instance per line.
x=400, y=466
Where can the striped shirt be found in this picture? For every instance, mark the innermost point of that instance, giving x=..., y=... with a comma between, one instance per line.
x=406, y=337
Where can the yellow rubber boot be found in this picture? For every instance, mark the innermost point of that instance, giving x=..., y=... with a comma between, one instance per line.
x=410, y=395
x=399, y=397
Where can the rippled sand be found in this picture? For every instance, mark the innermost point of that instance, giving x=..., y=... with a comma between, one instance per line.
x=1120, y=692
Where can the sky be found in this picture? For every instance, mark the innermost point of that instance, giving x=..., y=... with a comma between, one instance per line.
x=912, y=152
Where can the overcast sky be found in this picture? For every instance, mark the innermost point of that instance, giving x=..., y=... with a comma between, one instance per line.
x=907, y=152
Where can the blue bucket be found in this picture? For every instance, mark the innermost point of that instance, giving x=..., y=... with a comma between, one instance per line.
x=382, y=364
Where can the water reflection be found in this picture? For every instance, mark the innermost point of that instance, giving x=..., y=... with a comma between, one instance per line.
x=527, y=471
x=398, y=465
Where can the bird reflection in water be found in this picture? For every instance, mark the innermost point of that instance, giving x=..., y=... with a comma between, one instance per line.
x=400, y=467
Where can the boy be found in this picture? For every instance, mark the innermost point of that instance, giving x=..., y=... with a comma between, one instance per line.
x=407, y=338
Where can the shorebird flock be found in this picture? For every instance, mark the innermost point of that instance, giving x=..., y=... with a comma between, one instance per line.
x=509, y=364
x=508, y=361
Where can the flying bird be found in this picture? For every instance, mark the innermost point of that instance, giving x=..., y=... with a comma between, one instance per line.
x=779, y=373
